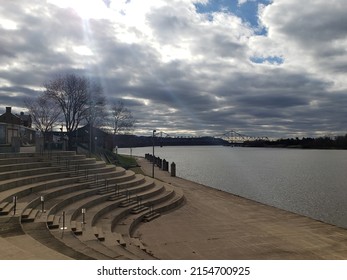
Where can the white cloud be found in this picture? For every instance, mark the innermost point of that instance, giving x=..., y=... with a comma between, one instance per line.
x=241, y=2
x=311, y=38
x=192, y=70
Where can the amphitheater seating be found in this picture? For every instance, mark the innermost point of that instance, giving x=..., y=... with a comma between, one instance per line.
x=78, y=207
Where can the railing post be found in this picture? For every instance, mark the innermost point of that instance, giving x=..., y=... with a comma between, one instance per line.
x=42, y=199
x=83, y=215
x=15, y=204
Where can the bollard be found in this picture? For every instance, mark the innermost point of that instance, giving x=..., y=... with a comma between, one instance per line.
x=173, y=169
x=84, y=216
x=14, y=205
x=63, y=227
x=42, y=204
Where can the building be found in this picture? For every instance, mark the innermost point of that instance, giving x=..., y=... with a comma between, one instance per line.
x=18, y=126
x=22, y=119
x=10, y=118
x=25, y=119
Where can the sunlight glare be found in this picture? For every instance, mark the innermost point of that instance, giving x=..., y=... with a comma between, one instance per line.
x=85, y=9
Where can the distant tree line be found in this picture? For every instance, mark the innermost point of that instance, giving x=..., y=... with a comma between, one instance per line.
x=131, y=141
x=338, y=142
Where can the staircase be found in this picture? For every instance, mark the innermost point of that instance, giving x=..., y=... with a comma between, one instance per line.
x=74, y=207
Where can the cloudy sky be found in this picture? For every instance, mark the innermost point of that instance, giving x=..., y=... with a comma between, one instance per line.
x=188, y=67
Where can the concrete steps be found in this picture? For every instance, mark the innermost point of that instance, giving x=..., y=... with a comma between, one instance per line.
x=4, y=176
x=116, y=202
x=22, y=166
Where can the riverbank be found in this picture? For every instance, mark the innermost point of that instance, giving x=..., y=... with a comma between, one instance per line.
x=213, y=224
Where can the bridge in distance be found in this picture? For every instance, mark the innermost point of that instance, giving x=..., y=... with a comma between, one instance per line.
x=235, y=138
x=231, y=136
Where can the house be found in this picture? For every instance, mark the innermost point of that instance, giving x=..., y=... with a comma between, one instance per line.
x=12, y=125
x=10, y=118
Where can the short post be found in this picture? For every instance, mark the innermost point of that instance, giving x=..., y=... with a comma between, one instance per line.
x=154, y=131
x=15, y=205
x=63, y=220
x=63, y=227
x=173, y=169
x=42, y=204
x=83, y=215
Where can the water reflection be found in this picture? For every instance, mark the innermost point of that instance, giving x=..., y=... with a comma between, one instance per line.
x=309, y=182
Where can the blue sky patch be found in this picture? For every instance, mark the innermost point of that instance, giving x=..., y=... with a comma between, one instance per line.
x=248, y=11
x=276, y=60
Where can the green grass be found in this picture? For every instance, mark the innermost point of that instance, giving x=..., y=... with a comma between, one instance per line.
x=126, y=161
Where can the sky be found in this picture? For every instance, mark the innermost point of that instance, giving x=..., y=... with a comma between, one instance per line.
x=188, y=67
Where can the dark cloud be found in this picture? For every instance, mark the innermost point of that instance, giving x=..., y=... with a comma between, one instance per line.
x=272, y=101
x=183, y=72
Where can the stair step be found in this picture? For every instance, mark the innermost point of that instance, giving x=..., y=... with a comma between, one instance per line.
x=138, y=243
x=26, y=213
x=53, y=221
x=127, y=203
x=50, y=219
x=120, y=239
x=99, y=234
x=7, y=209
x=76, y=228
x=116, y=197
x=138, y=209
x=96, y=185
x=3, y=205
x=105, y=191
x=151, y=216
x=31, y=216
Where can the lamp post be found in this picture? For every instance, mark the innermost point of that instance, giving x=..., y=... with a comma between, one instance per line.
x=154, y=131
x=90, y=139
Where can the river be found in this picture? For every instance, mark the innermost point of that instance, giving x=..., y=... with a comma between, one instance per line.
x=312, y=183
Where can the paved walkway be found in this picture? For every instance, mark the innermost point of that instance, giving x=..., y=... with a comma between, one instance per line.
x=216, y=225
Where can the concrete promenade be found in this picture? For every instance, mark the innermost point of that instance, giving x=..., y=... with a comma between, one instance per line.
x=216, y=225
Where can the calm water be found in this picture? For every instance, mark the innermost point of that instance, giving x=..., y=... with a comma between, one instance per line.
x=309, y=182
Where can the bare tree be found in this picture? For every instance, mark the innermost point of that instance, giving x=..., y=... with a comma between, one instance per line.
x=96, y=113
x=70, y=93
x=44, y=113
x=75, y=96
x=123, y=118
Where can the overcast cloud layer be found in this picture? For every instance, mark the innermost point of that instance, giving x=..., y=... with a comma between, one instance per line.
x=188, y=66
